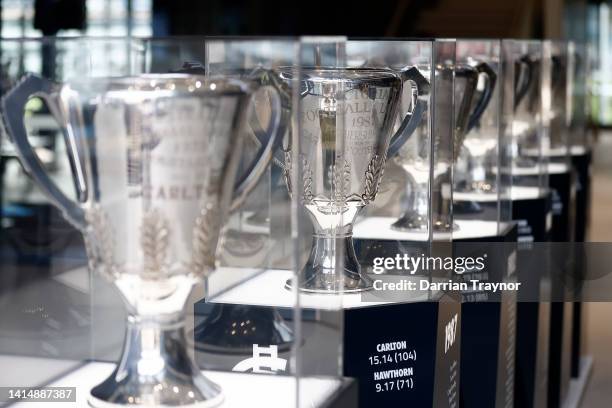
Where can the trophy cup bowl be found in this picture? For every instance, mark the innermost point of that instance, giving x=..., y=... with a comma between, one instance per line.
x=346, y=118
x=154, y=159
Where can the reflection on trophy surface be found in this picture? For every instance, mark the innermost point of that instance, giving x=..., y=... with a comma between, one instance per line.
x=345, y=118
x=155, y=159
x=527, y=114
x=415, y=155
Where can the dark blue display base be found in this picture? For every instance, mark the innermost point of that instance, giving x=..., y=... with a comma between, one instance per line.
x=531, y=363
x=424, y=371
x=561, y=267
x=534, y=218
x=582, y=166
x=489, y=330
x=431, y=332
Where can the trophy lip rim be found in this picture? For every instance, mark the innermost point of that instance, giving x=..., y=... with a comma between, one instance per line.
x=370, y=73
x=227, y=84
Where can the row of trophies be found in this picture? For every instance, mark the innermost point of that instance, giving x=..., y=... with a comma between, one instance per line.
x=163, y=153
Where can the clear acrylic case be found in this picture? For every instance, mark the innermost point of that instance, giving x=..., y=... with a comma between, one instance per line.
x=239, y=333
x=481, y=193
x=482, y=211
x=578, y=65
x=556, y=98
x=366, y=108
x=523, y=115
x=47, y=324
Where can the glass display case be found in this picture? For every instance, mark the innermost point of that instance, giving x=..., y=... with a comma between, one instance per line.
x=370, y=161
x=481, y=192
x=578, y=108
x=532, y=212
x=524, y=59
x=48, y=319
x=174, y=192
x=581, y=156
x=557, y=103
x=481, y=197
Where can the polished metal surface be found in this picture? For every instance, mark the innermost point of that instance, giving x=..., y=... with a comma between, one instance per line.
x=346, y=119
x=155, y=159
x=155, y=370
x=416, y=156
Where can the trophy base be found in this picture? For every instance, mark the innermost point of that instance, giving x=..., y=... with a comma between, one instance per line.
x=410, y=222
x=259, y=325
x=318, y=277
x=94, y=402
x=156, y=370
x=338, y=287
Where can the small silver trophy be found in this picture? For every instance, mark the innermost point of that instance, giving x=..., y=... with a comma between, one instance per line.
x=155, y=159
x=345, y=126
x=414, y=156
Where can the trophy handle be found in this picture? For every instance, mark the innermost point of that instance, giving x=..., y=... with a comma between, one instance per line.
x=484, y=70
x=411, y=121
x=13, y=110
x=522, y=81
x=280, y=115
x=269, y=138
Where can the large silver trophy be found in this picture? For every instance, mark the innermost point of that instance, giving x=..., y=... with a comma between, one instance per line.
x=346, y=120
x=155, y=161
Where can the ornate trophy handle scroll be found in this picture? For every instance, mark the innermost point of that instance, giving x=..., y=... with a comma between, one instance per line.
x=13, y=110
x=522, y=78
x=411, y=121
x=484, y=70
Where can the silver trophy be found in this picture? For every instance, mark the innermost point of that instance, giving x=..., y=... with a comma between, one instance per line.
x=478, y=144
x=155, y=160
x=346, y=119
x=415, y=155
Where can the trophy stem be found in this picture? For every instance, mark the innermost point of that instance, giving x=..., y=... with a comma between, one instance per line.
x=415, y=218
x=328, y=271
x=155, y=369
